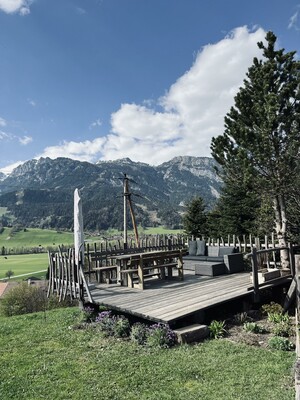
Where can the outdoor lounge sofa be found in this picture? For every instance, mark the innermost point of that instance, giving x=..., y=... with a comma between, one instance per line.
x=212, y=260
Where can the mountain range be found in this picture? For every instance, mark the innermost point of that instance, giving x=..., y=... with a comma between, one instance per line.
x=39, y=193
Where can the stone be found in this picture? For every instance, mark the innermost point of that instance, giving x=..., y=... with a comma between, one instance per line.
x=192, y=333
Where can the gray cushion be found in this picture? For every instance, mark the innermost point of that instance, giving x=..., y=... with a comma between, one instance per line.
x=226, y=250
x=215, y=259
x=196, y=258
x=192, y=247
x=200, y=248
x=213, y=251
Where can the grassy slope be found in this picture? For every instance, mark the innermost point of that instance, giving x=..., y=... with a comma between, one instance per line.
x=41, y=358
x=23, y=264
x=34, y=237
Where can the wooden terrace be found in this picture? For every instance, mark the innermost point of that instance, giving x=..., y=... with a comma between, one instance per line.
x=169, y=301
x=166, y=297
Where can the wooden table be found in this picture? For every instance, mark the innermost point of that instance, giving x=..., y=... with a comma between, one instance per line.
x=139, y=266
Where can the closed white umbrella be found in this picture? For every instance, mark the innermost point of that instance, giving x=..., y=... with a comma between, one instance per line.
x=78, y=228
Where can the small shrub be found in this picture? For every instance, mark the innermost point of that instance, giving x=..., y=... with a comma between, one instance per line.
x=280, y=343
x=217, y=329
x=278, y=317
x=160, y=335
x=122, y=326
x=106, y=323
x=282, y=329
x=241, y=318
x=23, y=299
x=139, y=333
x=89, y=314
x=271, y=308
x=253, y=327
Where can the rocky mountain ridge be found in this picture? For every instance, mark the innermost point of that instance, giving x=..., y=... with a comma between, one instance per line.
x=47, y=187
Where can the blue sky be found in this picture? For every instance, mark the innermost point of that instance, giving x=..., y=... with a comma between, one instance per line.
x=145, y=79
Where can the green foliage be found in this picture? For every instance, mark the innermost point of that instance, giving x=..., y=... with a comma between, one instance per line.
x=253, y=327
x=9, y=273
x=260, y=142
x=139, y=333
x=194, y=219
x=282, y=328
x=280, y=343
x=241, y=318
x=23, y=299
x=122, y=327
x=271, y=307
x=278, y=317
x=112, y=325
x=217, y=329
x=161, y=336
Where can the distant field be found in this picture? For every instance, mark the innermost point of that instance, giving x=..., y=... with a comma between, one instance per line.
x=24, y=264
x=159, y=230
x=32, y=237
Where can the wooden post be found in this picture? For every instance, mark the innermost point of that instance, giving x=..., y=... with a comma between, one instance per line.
x=292, y=259
x=141, y=273
x=297, y=275
x=254, y=263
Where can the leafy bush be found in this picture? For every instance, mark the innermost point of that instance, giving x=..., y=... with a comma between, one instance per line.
x=122, y=326
x=253, y=327
x=282, y=329
x=160, y=335
x=23, y=299
x=241, y=318
x=280, y=343
x=89, y=314
x=111, y=325
x=139, y=333
x=217, y=329
x=106, y=323
x=278, y=317
x=271, y=308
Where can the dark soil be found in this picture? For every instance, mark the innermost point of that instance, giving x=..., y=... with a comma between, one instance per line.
x=236, y=332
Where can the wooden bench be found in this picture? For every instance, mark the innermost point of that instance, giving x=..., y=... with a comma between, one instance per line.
x=145, y=265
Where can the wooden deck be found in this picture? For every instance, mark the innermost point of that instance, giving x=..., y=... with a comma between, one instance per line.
x=169, y=301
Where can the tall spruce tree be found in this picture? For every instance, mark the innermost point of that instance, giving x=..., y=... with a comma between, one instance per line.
x=194, y=219
x=260, y=143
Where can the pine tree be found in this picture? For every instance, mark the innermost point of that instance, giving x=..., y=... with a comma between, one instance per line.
x=194, y=220
x=261, y=140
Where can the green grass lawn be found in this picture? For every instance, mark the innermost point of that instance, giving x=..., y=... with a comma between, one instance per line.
x=24, y=264
x=42, y=358
x=33, y=237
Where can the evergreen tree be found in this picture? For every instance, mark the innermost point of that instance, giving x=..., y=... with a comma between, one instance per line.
x=194, y=220
x=260, y=144
x=235, y=211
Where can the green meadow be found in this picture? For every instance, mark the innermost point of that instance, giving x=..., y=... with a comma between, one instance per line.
x=42, y=357
x=24, y=264
x=33, y=237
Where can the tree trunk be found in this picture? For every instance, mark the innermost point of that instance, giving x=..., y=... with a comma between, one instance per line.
x=281, y=229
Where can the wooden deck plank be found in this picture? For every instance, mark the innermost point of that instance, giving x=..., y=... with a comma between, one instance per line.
x=169, y=300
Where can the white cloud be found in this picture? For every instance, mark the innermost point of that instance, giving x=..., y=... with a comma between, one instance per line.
x=9, y=168
x=96, y=123
x=193, y=108
x=293, y=23
x=84, y=151
x=32, y=102
x=13, y=6
x=2, y=122
x=25, y=140
x=5, y=136
x=190, y=113
x=80, y=11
